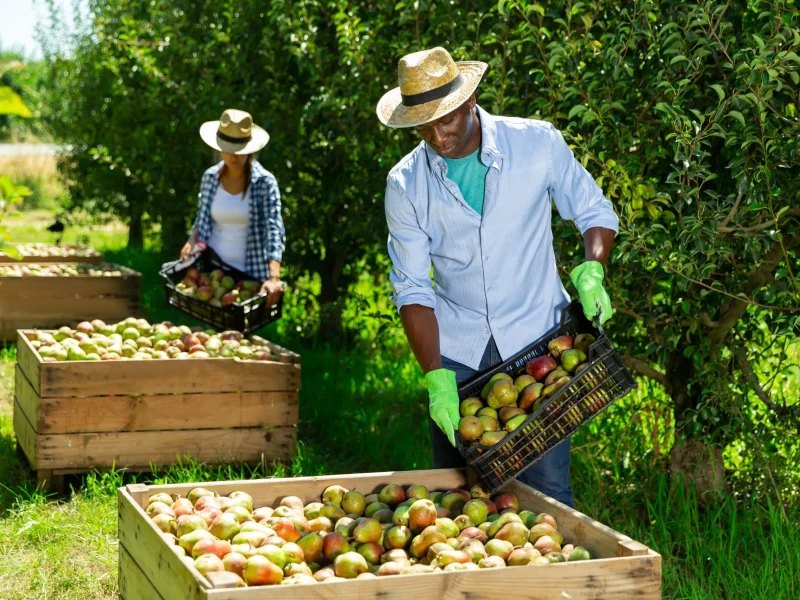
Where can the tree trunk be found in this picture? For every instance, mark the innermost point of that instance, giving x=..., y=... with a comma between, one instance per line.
x=135, y=195
x=135, y=229
x=695, y=461
x=331, y=297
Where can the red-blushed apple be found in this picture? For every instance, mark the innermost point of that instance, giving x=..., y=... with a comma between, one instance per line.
x=539, y=367
x=219, y=548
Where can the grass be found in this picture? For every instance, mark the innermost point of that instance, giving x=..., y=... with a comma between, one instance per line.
x=363, y=410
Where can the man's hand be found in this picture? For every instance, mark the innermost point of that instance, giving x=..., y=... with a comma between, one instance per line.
x=187, y=249
x=273, y=289
x=443, y=401
x=588, y=279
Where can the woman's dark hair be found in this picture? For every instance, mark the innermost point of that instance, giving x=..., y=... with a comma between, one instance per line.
x=248, y=171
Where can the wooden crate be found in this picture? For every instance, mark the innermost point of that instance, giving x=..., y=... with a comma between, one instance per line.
x=70, y=417
x=624, y=568
x=91, y=257
x=52, y=302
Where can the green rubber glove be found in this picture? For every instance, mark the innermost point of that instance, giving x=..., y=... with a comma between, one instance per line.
x=443, y=403
x=588, y=279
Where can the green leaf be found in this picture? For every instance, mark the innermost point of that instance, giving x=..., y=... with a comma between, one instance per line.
x=720, y=92
x=576, y=110
x=737, y=115
x=679, y=58
x=12, y=104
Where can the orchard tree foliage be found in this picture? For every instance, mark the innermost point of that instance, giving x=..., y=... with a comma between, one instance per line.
x=685, y=112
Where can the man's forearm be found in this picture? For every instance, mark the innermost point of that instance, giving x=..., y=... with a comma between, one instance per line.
x=422, y=331
x=598, y=242
x=274, y=269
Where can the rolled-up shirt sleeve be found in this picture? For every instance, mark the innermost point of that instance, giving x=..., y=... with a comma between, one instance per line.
x=409, y=249
x=577, y=196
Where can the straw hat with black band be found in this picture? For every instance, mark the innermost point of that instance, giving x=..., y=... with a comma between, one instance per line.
x=432, y=84
x=234, y=133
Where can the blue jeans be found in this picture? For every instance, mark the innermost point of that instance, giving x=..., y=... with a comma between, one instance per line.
x=549, y=475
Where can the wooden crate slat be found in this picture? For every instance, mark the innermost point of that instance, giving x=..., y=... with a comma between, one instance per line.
x=269, y=492
x=603, y=579
x=164, y=377
x=133, y=584
x=25, y=434
x=26, y=397
x=95, y=450
x=82, y=286
x=163, y=568
x=28, y=360
x=581, y=530
x=98, y=414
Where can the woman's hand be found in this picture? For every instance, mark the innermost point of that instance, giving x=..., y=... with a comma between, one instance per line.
x=273, y=289
x=187, y=249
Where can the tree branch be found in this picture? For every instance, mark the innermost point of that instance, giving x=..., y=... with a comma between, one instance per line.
x=750, y=377
x=644, y=369
x=733, y=212
x=757, y=278
x=792, y=212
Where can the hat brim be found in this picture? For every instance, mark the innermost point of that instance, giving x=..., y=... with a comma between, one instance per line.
x=259, y=138
x=393, y=113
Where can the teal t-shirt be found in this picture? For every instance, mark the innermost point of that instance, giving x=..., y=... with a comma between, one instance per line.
x=469, y=173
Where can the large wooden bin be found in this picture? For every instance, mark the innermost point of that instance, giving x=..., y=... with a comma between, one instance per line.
x=70, y=417
x=52, y=302
x=624, y=569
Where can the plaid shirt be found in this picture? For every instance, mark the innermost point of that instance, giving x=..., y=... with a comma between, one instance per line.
x=266, y=236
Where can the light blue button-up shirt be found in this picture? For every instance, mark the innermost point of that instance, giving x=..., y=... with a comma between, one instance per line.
x=493, y=274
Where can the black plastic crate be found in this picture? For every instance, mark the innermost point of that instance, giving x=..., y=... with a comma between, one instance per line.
x=603, y=382
x=246, y=317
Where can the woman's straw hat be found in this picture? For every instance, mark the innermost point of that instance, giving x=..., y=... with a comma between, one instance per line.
x=234, y=133
x=431, y=85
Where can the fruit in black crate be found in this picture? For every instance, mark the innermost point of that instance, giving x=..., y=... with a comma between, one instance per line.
x=489, y=423
x=523, y=381
x=583, y=341
x=470, y=429
x=490, y=438
x=539, y=367
x=470, y=406
x=502, y=393
x=494, y=379
x=487, y=412
x=560, y=344
x=530, y=395
x=550, y=390
x=571, y=359
x=554, y=376
x=509, y=412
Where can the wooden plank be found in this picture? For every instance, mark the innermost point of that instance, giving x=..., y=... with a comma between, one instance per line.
x=148, y=549
x=104, y=450
x=139, y=493
x=578, y=528
x=636, y=577
x=97, y=414
x=164, y=377
x=133, y=584
x=45, y=311
x=27, y=399
x=79, y=286
x=28, y=360
x=26, y=436
x=632, y=548
x=269, y=492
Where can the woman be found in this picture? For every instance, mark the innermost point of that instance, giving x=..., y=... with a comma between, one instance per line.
x=239, y=207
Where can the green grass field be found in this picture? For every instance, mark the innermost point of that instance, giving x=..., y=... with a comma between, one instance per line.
x=362, y=409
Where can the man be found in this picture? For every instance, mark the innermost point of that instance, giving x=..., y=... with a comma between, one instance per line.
x=473, y=201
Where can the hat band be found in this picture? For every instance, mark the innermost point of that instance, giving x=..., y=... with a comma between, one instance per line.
x=233, y=140
x=434, y=94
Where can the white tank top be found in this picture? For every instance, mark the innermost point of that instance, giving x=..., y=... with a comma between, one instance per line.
x=230, y=216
